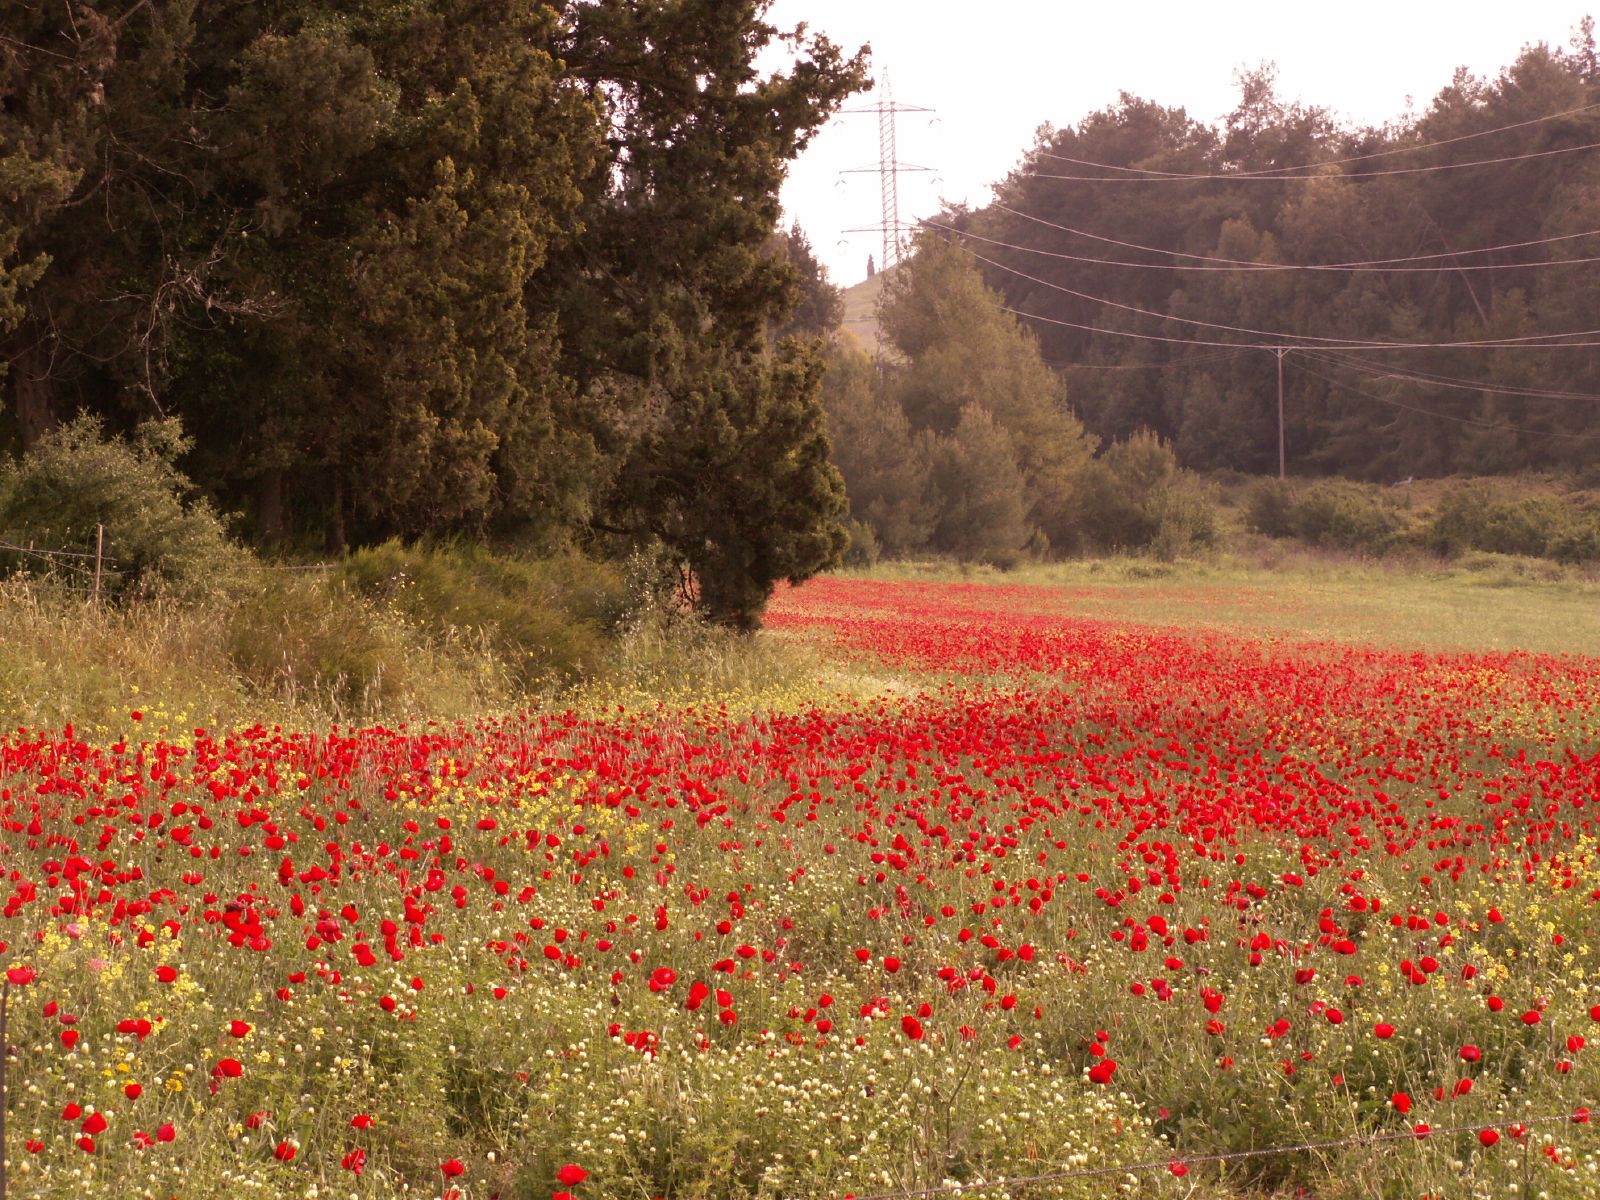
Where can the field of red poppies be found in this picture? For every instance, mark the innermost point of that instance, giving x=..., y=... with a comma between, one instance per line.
x=1142, y=912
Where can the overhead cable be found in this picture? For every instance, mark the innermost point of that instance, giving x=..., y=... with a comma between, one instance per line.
x=1244, y=266
x=1282, y=339
x=1246, y=263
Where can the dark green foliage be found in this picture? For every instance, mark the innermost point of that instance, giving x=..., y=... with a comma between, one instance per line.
x=1136, y=497
x=418, y=268
x=960, y=348
x=982, y=515
x=885, y=466
x=862, y=550
x=818, y=305
x=158, y=536
x=1269, y=508
x=1343, y=516
x=734, y=479
x=1360, y=415
x=1487, y=518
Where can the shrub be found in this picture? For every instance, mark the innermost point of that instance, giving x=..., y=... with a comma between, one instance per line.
x=1482, y=517
x=1269, y=508
x=159, y=536
x=1186, y=521
x=545, y=619
x=1332, y=513
x=862, y=550
x=1346, y=516
x=1136, y=497
x=982, y=517
x=313, y=641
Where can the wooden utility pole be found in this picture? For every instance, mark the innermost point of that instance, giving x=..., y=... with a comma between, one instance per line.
x=100, y=556
x=1280, y=352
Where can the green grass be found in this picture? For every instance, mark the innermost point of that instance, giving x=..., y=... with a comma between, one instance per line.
x=1482, y=602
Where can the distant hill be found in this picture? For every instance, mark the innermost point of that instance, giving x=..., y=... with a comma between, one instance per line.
x=861, y=311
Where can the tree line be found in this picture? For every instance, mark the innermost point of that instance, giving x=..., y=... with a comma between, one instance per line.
x=1146, y=250
x=419, y=267
x=958, y=439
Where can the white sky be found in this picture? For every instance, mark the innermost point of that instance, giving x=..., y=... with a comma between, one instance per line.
x=995, y=71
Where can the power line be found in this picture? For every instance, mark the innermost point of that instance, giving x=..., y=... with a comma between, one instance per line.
x=1176, y=341
x=1273, y=171
x=1242, y=178
x=1246, y=264
x=1383, y=370
x=1497, y=426
x=1293, y=340
x=1242, y=265
x=1186, y=361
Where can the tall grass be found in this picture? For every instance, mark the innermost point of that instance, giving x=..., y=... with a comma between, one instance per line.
x=393, y=634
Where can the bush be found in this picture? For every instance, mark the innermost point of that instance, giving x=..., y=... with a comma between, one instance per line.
x=1186, y=521
x=1346, y=516
x=1109, y=516
x=547, y=620
x=159, y=536
x=982, y=517
x=1269, y=508
x=1136, y=497
x=862, y=550
x=1482, y=517
x=1330, y=513
x=310, y=640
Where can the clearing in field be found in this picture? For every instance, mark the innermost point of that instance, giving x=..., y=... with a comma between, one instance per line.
x=1115, y=907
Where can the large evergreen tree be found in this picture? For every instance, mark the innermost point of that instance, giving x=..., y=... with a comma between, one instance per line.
x=412, y=266
x=960, y=349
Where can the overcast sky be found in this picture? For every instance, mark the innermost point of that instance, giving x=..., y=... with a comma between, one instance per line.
x=995, y=71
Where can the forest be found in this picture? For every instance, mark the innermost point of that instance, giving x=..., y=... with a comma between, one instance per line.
x=1432, y=281
x=487, y=268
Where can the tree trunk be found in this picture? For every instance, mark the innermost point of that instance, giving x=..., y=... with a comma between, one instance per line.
x=269, y=507
x=334, y=539
x=32, y=394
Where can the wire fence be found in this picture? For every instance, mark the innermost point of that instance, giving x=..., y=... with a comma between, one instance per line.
x=1179, y=1165
x=80, y=569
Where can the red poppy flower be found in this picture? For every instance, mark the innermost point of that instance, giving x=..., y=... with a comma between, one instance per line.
x=571, y=1175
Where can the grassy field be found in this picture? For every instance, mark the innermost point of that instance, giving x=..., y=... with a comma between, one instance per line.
x=1486, y=604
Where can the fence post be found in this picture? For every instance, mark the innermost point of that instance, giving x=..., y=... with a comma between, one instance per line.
x=99, y=553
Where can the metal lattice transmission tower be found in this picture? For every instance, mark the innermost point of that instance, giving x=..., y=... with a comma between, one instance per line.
x=889, y=169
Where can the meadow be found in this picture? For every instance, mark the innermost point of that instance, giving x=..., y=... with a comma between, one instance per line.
x=1134, y=884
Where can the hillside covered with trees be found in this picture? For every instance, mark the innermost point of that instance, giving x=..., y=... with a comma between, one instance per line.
x=1433, y=280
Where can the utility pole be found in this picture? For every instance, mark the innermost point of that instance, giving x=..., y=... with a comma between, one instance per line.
x=1280, y=352
x=888, y=169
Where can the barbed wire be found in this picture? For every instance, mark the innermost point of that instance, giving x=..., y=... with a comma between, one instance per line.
x=49, y=554
x=1415, y=1133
